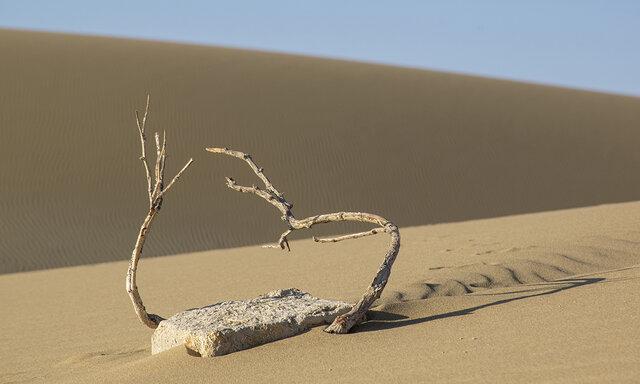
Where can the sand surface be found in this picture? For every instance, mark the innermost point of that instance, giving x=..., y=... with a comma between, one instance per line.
x=417, y=147
x=500, y=278
x=545, y=297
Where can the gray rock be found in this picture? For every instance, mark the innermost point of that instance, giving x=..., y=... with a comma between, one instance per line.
x=231, y=326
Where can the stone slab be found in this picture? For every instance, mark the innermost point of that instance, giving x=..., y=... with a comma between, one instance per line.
x=231, y=326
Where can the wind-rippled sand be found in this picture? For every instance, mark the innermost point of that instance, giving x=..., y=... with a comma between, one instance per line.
x=543, y=294
x=418, y=147
x=545, y=297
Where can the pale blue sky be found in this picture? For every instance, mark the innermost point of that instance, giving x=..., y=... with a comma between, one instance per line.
x=584, y=44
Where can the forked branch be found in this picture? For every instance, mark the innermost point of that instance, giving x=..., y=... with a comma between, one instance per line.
x=156, y=189
x=357, y=314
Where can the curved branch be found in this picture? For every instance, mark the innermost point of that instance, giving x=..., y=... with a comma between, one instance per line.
x=155, y=194
x=357, y=314
x=150, y=320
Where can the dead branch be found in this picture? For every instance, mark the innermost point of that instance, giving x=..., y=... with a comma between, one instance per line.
x=374, y=231
x=155, y=190
x=357, y=314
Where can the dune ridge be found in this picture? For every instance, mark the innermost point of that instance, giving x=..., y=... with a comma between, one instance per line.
x=418, y=147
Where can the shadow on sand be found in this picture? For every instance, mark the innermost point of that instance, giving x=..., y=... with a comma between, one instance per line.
x=381, y=320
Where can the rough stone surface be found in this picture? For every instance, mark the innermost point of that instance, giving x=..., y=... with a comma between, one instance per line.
x=231, y=326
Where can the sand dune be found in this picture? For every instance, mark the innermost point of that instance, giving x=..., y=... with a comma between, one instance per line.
x=545, y=297
x=418, y=147
x=539, y=297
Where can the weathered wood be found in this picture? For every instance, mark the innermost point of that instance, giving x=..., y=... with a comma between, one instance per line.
x=155, y=191
x=343, y=323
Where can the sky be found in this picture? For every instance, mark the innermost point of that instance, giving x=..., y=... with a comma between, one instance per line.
x=588, y=44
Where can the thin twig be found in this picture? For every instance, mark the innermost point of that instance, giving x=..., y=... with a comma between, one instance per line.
x=176, y=177
x=141, y=129
x=282, y=241
x=374, y=231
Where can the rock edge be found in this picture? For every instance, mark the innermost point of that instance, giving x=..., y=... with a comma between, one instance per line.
x=232, y=326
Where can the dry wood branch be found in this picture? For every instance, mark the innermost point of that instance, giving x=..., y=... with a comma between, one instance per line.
x=374, y=231
x=357, y=314
x=155, y=191
x=282, y=241
x=141, y=130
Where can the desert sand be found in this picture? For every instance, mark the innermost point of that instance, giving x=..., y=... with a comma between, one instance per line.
x=516, y=202
x=545, y=297
x=414, y=146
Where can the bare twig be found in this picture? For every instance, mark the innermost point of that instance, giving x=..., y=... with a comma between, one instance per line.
x=141, y=129
x=282, y=241
x=357, y=314
x=155, y=191
x=175, y=178
x=374, y=231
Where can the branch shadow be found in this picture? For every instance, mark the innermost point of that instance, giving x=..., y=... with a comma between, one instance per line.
x=382, y=320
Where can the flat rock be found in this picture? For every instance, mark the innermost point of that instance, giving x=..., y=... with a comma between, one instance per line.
x=231, y=326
